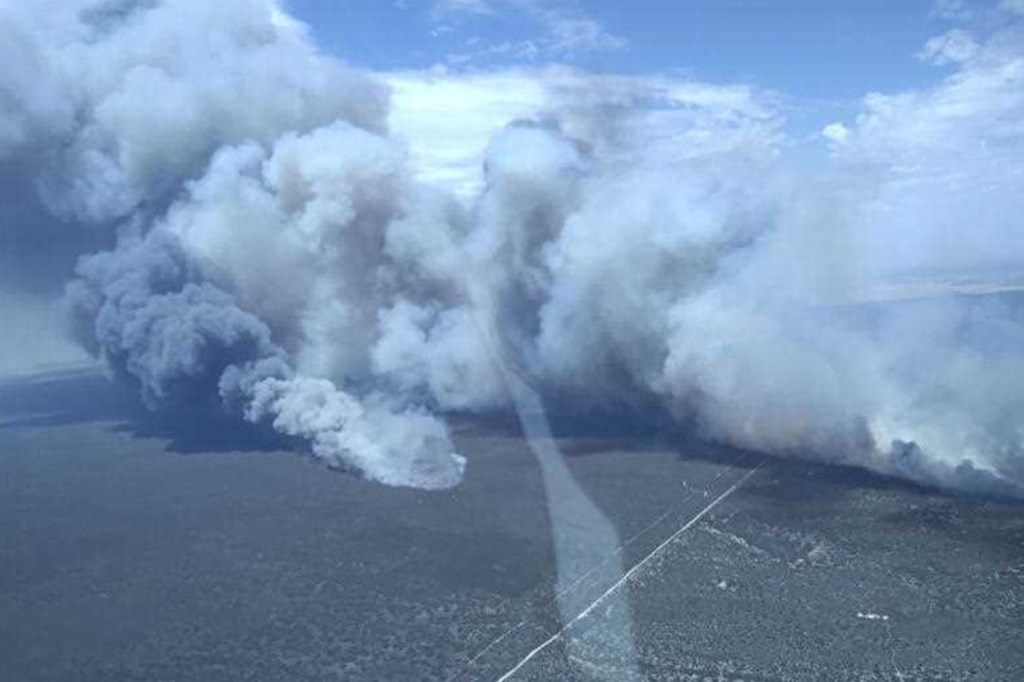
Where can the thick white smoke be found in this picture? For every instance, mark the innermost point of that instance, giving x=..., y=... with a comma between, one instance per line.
x=633, y=245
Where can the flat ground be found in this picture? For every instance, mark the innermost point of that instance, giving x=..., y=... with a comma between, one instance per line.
x=130, y=550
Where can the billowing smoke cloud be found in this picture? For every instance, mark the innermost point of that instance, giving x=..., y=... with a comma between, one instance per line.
x=635, y=243
x=249, y=188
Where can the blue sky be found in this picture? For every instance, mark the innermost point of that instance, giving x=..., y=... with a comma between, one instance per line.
x=808, y=49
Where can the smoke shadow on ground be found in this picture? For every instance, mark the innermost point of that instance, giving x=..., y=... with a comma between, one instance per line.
x=635, y=429
x=79, y=395
x=585, y=429
x=192, y=432
x=810, y=478
x=83, y=395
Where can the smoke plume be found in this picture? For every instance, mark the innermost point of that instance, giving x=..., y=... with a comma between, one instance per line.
x=272, y=252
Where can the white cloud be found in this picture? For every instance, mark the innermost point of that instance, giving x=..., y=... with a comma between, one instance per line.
x=949, y=160
x=559, y=30
x=836, y=132
x=568, y=34
x=447, y=118
x=952, y=9
x=953, y=47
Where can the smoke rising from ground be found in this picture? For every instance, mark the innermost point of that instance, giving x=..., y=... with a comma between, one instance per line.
x=275, y=253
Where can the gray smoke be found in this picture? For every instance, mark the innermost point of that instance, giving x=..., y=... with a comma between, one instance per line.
x=192, y=131
x=273, y=255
